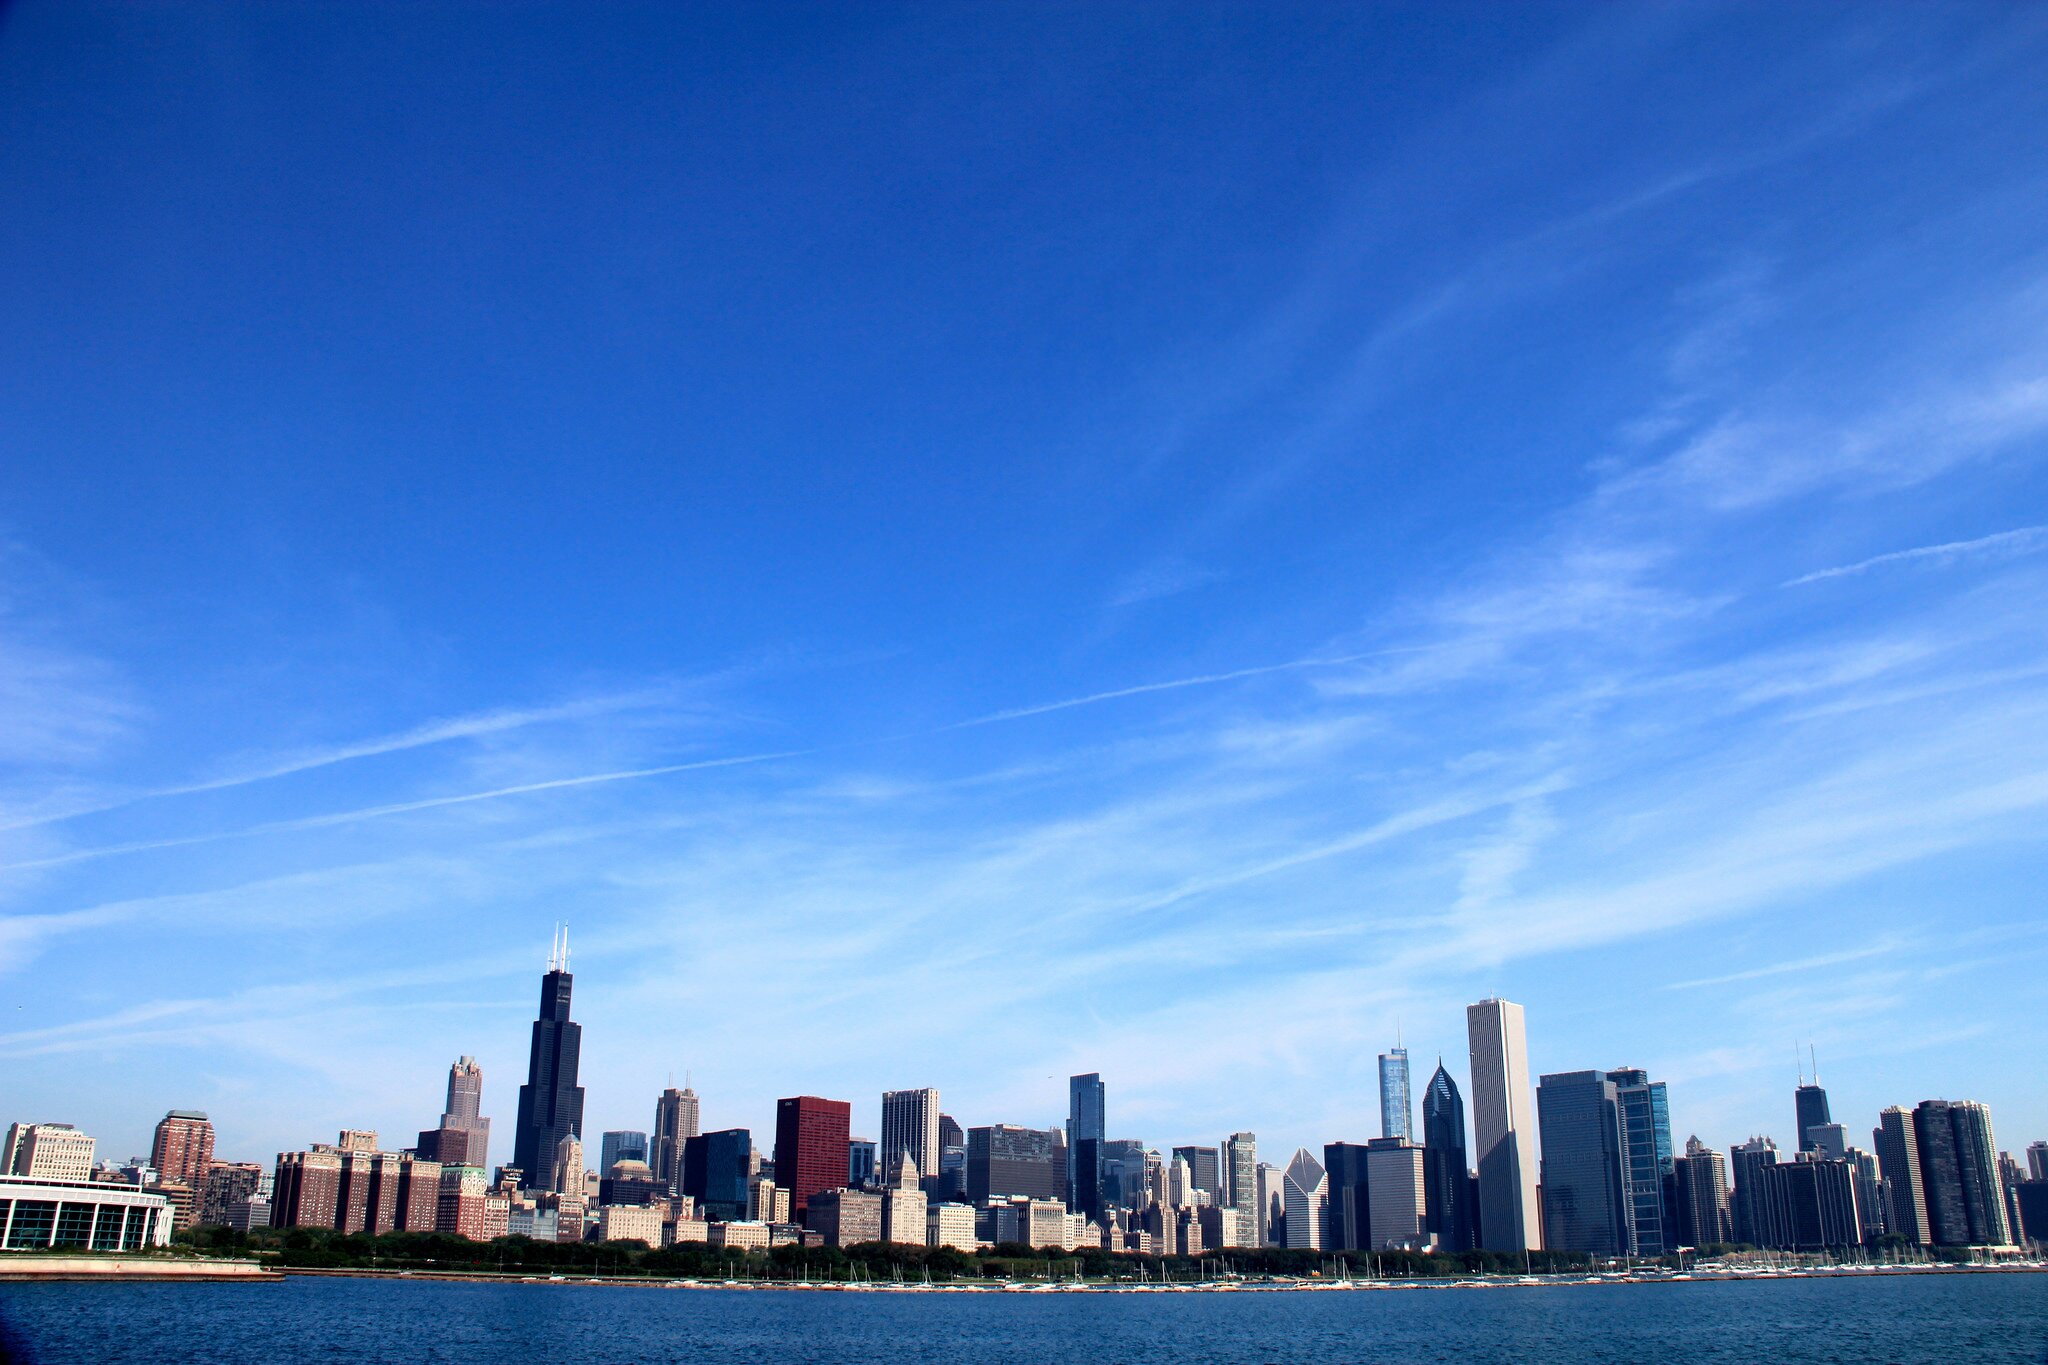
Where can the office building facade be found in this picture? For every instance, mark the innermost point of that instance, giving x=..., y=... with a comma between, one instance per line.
x=551, y=1102
x=1446, y=1182
x=1396, y=1112
x=811, y=1142
x=1585, y=1188
x=1646, y=1158
x=1503, y=1126
x=1305, y=1190
x=910, y=1127
x=1005, y=1161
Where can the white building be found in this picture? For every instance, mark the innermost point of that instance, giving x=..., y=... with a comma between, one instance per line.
x=744, y=1236
x=904, y=1217
x=37, y=1213
x=629, y=1223
x=950, y=1225
x=1306, y=1189
x=48, y=1151
x=1504, y=1126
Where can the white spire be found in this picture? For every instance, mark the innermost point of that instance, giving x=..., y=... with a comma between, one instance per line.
x=565, y=947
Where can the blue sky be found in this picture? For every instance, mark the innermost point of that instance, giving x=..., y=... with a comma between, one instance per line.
x=956, y=546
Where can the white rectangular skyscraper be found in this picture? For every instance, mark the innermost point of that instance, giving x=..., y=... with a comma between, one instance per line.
x=1503, y=1126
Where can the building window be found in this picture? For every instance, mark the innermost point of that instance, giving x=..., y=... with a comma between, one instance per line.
x=106, y=1233
x=32, y=1220
x=74, y=1225
x=138, y=1228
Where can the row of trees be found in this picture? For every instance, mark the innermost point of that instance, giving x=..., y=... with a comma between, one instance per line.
x=318, y=1248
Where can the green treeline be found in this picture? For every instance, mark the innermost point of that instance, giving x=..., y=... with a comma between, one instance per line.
x=314, y=1248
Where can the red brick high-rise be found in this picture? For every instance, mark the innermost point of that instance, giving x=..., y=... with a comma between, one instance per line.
x=183, y=1152
x=810, y=1148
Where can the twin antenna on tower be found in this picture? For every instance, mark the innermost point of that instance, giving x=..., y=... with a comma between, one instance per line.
x=558, y=950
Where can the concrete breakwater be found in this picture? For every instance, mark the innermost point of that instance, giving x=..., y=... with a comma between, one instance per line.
x=130, y=1268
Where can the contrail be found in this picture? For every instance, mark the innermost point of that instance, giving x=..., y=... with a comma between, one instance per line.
x=2013, y=542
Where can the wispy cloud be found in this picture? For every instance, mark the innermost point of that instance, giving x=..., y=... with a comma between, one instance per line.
x=1167, y=578
x=476, y=726
x=2024, y=540
x=360, y=814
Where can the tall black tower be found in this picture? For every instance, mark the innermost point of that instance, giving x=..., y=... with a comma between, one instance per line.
x=550, y=1103
x=1446, y=1190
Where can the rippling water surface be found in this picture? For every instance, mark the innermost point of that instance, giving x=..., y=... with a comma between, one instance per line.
x=1949, y=1318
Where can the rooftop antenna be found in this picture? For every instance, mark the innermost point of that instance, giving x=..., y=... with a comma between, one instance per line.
x=1816, y=1063
x=565, y=947
x=1799, y=1062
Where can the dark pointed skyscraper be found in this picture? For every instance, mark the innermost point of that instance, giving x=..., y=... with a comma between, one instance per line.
x=550, y=1103
x=1446, y=1186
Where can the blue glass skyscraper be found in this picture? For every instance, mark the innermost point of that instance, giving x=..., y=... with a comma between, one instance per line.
x=1585, y=1202
x=1647, y=1159
x=1446, y=1181
x=1087, y=1101
x=1396, y=1111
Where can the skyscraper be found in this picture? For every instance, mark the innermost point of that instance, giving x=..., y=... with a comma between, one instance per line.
x=1959, y=1168
x=1809, y=1110
x=863, y=1165
x=550, y=1103
x=1504, y=1125
x=1444, y=1172
x=1898, y=1158
x=713, y=1171
x=1646, y=1157
x=1397, y=1202
x=1746, y=1161
x=1087, y=1117
x=1585, y=1200
x=1395, y=1110
x=910, y=1127
x=620, y=1144
x=464, y=1110
x=1241, y=1178
x=1005, y=1161
x=182, y=1152
x=2037, y=1161
x=1305, y=1188
x=1700, y=1187
x=675, y=1122
x=1347, y=1226
x=811, y=1141
x=1205, y=1169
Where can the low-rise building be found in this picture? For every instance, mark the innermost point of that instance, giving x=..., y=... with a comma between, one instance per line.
x=950, y=1225
x=846, y=1217
x=37, y=1213
x=745, y=1236
x=629, y=1223
x=47, y=1151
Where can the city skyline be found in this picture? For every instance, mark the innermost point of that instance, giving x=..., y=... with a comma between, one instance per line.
x=467, y=1095
x=1608, y=1191
x=1241, y=525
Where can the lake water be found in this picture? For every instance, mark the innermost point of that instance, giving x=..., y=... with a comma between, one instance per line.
x=1981, y=1319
